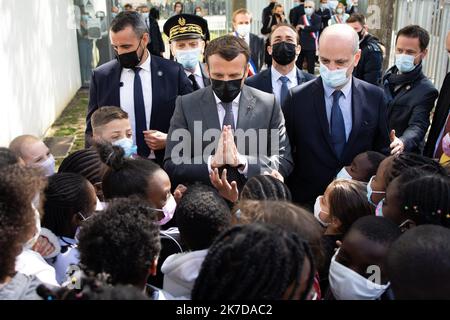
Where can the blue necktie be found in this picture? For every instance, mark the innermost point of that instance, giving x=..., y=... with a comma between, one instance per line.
x=284, y=89
x=337, y=125
x=139, y=115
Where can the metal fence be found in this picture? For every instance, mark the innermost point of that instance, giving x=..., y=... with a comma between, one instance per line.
x=434, y=16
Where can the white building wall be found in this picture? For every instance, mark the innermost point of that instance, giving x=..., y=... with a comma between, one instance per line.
x=39, y=65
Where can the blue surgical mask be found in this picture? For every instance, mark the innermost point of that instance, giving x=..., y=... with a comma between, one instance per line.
x=188, y=58
x=370, y=192
x=127, y=145
x=335, y=78
x=343, y=174
x=404, y=62
x=309, y=11
x=379, y=209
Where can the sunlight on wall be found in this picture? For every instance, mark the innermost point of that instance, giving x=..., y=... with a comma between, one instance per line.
x=39, y=63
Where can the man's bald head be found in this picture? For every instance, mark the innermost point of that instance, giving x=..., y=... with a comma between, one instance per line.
x=30, y=149
x=342, y=35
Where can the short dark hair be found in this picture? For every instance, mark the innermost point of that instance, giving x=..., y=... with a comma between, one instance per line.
x=228, y=47
x=415, y=31
x=375, y=158
x=418, y=264
x=122, y=241
x=357, y=17
x=201, y=216
x=129, y=18
x=105, y=115
x=284, y=24
x=377, y=229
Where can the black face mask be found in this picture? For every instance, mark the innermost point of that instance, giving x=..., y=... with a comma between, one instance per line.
x=130, y=60
x=283, y=52
x=226, y=91
x=361, y=35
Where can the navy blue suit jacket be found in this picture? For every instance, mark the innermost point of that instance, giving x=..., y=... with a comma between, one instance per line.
x=315, y=161
x=168, y=82
x=263, y=80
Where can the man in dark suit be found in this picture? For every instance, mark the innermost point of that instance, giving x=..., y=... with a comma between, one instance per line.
x=296, y=12
x=283, y=74
x=308, y=25
x=325, y=14
x=227, y=125
x=187, y=47
x=242, y=20
x=156, y=44
x=409, y=94
x=144, y=86
x=441, y=120
x=332, y=119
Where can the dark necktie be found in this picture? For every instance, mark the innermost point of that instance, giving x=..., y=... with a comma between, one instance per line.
x=337, y=125
x=440, y=148
x=194, y=82
x=228, y=120
x=284, y=89
x=139, y=115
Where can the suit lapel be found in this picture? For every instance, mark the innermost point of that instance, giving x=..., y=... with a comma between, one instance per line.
x=209, y=109
x=357, y=115
x=321, y=112
x=267, y=82
x=300, y=78
x=157, y=88
x=246, y=108
x=116, y=75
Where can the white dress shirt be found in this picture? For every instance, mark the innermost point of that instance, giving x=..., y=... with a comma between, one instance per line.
x=345, y=102
x=276, y=82
x=127, y=94
x=221, y=112
x=198, y=75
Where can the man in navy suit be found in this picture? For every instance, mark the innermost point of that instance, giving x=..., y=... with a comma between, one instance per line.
x=143, y=85
x=283, y=74
x=332, y=119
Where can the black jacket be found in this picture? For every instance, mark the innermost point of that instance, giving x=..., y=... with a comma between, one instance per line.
x=439, y=118
x=307, y=41
x=409, y=109
x=156, y=44
x=257, y=50
x=295, y=14
x=370, y=66
x=325, y=15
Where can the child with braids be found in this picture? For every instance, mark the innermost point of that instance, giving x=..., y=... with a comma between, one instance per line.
x=87, y=163
x=392, y=167
x=18, y=187
x=417, y=197
x=256, y=262
x=123, y=242
x=291, y=218
x=201, y=216
x=70, y=199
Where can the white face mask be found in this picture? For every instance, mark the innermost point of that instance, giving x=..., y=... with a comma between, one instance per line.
x=347, y=284
x=48, y=166
x=100, y=206
x=343, y=174
x=168, y=210
x=318, y=210
x=339, y=10
x=309, y=11
x=243, y=30
x=30, y=243
x=333, y=78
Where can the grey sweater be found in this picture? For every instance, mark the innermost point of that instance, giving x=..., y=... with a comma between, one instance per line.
x=21, y=287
